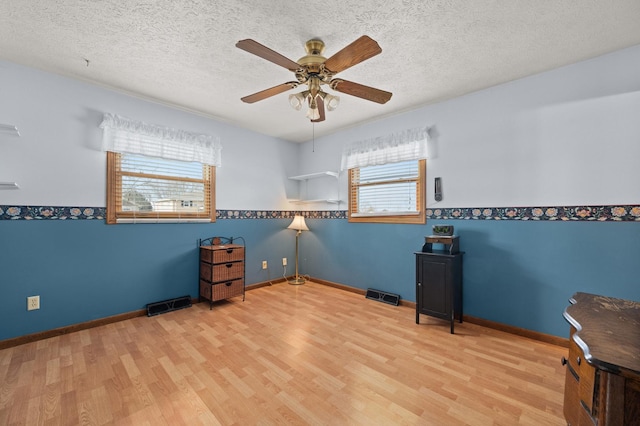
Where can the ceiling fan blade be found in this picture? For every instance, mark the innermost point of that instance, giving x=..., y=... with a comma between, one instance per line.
x=320, y=104
x=358, y=51
x=361, y=91
x=264, y=94
x=264, y=52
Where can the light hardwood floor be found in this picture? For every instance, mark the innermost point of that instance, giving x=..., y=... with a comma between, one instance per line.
x=309, y=354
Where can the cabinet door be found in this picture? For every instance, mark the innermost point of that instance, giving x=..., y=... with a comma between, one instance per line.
x=435, y=297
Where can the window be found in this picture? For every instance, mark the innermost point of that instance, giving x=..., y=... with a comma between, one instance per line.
x=388, y=193
x=387, y=177
x=141, y=187
x=156, y=173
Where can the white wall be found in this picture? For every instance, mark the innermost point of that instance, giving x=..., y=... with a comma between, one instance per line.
x=570, y=136
x=57, y=160
x=566, y=137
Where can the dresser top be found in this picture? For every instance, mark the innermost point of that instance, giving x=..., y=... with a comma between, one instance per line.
x=607, y=331
x=222, y=247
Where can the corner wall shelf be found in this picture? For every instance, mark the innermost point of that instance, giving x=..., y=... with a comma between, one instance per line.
x=305, y=178
x=9, y=129
x=9, y=185
x=315, y=201
x=314, y=175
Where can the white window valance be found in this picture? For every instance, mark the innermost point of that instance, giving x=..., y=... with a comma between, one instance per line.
x=410, y=144
x=122, y=135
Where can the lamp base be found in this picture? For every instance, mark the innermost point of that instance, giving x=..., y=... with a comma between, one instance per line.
x=297, y=281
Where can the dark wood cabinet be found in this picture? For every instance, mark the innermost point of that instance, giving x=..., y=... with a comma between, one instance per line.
x=439, y=286
x=602, y=382
x=221, y=272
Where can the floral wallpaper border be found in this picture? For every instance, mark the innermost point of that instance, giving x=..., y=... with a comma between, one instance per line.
x=85, y=213
x=50, y=212
x=617, y=213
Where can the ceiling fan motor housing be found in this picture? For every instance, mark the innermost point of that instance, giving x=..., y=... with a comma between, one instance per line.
x=312, y=63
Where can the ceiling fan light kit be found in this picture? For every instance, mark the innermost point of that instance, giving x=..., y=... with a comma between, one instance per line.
x=314, y=70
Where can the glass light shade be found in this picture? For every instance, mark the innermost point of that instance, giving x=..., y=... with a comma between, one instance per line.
x=298, y=224
x=313, y=113
x=331, y=102
x=296, y=101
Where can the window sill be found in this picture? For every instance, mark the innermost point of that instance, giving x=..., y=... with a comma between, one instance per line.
x=385, y=214
x=152, y=220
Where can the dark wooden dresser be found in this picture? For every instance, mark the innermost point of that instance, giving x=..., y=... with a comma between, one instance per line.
x=602, y=385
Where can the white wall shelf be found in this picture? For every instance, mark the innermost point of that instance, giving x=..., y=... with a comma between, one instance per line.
x=9, y=129
x=9, y=185
x=305, y=179
x=329, y=201
x=314, y=176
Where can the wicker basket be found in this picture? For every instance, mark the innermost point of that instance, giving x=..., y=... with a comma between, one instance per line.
x=222, y=254
x=222, y=272
x=223, y=290
x=228, y=289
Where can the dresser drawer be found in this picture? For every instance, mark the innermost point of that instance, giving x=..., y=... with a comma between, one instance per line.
x=575, y=353
x=586, y=376
x=571, y=406
x=222, y=272
x=223, y=290
x=222, y=254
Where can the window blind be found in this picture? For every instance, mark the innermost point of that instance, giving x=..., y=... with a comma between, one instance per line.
x=155, y=188
x=386, y=189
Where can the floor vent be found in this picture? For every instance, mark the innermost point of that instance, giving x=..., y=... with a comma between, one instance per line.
x=169, y=305
x=382, y=296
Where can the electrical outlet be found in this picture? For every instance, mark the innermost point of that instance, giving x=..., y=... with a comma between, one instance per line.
x=264, y=264
x=284, y=261
x=33, y=303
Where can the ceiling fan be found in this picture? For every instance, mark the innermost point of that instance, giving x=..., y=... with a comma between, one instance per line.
x=314, y=70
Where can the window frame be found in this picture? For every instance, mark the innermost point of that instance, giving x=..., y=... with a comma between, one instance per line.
x=411, y=218
x=114, y=203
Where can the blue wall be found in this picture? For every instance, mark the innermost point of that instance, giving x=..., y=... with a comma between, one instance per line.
x=519, y=273
x=516, y=272
x=85, y=270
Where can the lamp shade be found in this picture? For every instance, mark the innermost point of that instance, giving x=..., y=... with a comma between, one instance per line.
x=298, y=224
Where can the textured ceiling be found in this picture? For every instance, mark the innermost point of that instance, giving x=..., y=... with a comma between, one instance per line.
x=183, y=53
